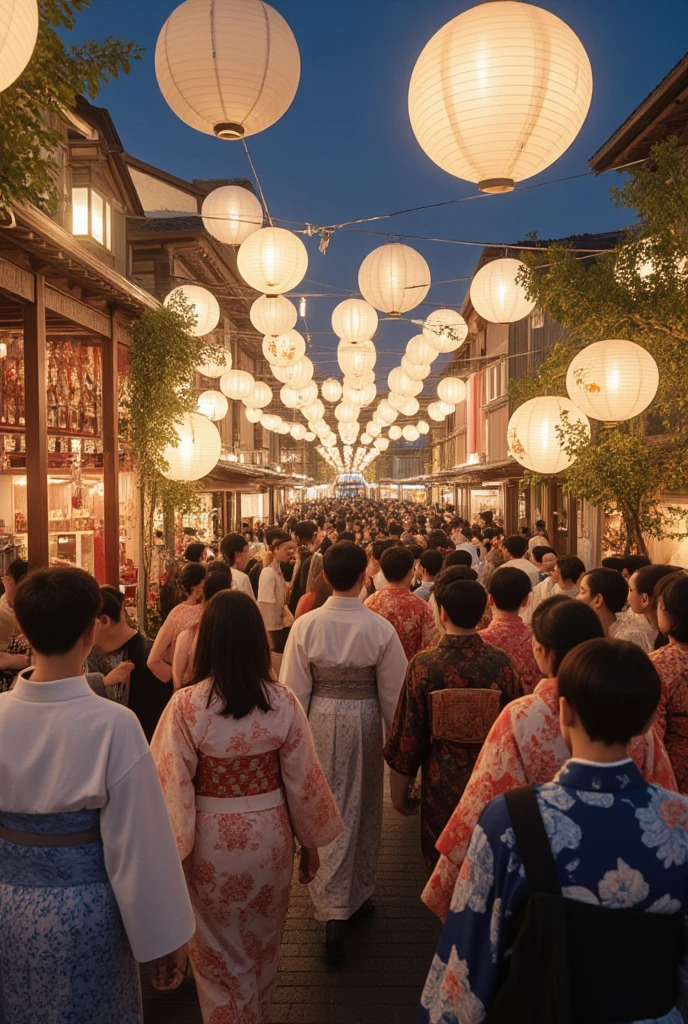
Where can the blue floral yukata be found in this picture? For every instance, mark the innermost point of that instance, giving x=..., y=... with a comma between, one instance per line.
x=618, y=842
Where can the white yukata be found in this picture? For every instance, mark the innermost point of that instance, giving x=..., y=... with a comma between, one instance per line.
x=347, y=667
x=240, y=581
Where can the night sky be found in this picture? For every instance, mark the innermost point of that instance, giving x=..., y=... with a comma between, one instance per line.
x=345, y=147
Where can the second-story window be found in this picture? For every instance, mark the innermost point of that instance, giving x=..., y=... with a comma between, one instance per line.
x=91, y=216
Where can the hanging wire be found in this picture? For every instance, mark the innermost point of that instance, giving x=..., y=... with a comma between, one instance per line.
x=258, y=184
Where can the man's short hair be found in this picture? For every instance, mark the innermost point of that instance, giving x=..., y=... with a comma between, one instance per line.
x=431, y=561
x=509, y=588
x=570, y=567
x=17, y=569
x=194, y=552
x=232, y=545
x=438, y=539
x=347, y=535
x=612, y=686
x=451, y=575
x=614, y=562
x=344, y=563
x=55, y=607
x=396, y=563
x=305, y=530
x=395, y=529
x=379, y=546
x=461, y=557
x=635, y=562
x=416, y=550
x=540, y=550
x=647, y=578
x=464, y=601
x=611, y=585
x=516, y=545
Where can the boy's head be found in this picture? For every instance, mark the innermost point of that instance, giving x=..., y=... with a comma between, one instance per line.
x=431, y=563
x=569, y=569
x=461, y=604
x=397, y=564
x=458, y=558
x=344, y=565
x=642, y=584
x=509, y=589
x=516, y=545
x=604, y=588
x=57, y=610
x=539, y=553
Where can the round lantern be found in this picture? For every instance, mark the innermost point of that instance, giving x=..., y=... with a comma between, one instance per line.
x=451, y=390
x=346, y=412
x=253, y=415
x=273, y=314
x=309, y=436
x=231, y=213
x=495, y=293
x=296, y=374
x=381, y=443
x=399, y=382
x=319, y=427
x=289, y=396
x=354, y=320
x=446, y=330
x=228, y=68
x=415, y=371
x=260, y=396
x=18, y=34
x=348, y=432
x=204, y=307
x=533, y=437
x=404, y=405
x=272, y=260
x=331, y=390
x=197, y=450
x=356, y=358
x=360, y=396
x=423, y=427
x=395, y=432
x=446, y=408
x=283, y=428
x=373, y=428
x=284, y=349
x=298, y=431
x=314, y=411
x=499, y=93
x=421, y=351
x=410, y=433
x=270, y=422
x=213, y=405
x=612, y=380
x=216, y=368
x=329, y=442
x=365, y=438
x=359, y=380
x=237, y=385
x=385, y=413
x=394, y=278
x=306, y=395
x=436, y=412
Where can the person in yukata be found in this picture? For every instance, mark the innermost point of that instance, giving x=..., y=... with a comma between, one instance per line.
x=671, y=662
x=241, y=779
x=183, y=616
x=606, y=592
x=442, y=717
x=90, y=880
x=525, y=744
x=642, y=600
x=346, y=665
x=410, y=615
x=509, y=593
x=618, y=842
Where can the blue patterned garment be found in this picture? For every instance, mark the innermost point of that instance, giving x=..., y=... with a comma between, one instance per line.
x=64, y=955
x=618, y=842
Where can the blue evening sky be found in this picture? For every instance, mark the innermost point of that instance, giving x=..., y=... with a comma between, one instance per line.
x=345, y=148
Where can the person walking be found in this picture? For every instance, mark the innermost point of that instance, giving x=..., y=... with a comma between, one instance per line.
x=182, y=617
x=509, y=593
x=410, y=615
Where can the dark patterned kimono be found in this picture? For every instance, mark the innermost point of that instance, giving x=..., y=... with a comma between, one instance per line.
x=458, y=661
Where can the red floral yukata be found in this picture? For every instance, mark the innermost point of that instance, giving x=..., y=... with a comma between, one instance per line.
x=671, y=663
x=458, y=661
x=411, y=616
x=511, y=634
x=524, y=747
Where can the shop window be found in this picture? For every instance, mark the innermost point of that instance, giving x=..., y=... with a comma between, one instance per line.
x=496, y=381
x=537, y=319
x=91, y=216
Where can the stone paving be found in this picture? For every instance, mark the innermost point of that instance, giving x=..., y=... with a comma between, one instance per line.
x=389, y=954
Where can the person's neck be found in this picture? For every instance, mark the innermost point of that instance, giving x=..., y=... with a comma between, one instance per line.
x=606, y=618
x=451, y=630
x=51, y=668
x=192, y=600
x=354, y=592
x=588, y=750
x=428, y=579
x=565, y=585
x=498, y=614
x=677, y=643
x=118, y=637
x=651, y=616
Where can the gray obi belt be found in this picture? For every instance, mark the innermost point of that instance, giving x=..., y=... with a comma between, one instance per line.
x=344, y=683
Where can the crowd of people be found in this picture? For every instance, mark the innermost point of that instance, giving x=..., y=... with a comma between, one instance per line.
x=531, y=709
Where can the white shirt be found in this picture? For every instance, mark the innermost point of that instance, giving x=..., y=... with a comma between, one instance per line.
x=272, y=597
x=529, y=568
x=8, y=622
x=240, y=581
x=472, y=551
x=635, y=628
x=380, y=580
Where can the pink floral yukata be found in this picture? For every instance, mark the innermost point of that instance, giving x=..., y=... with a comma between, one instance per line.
x=411, y=617
x=671, y=663
x=511, y=634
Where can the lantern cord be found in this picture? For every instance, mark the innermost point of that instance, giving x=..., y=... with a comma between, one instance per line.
x=257, y=179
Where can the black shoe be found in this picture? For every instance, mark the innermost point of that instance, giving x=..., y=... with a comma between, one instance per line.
x=334, y=942
x=364, y=911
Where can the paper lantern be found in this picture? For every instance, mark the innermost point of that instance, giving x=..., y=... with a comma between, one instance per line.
x=446, y=330
x=499, y=93
x=270, y=422
x=306, y=395
x=283, y=428
x=410, y=433
x=213, y=405
x=215, y=368
x=272, y=260
x=204, y=307
x=414, y=370
x=421, y=351
x=400, y=383
x=253, y=415
x=394, y=278
x=231, y=213
x=373, y=428
x=260, y=396
x=436, y=412
x=331, y=390
x=228, y=68
x=395, y=432
x=289, y=396
x=423, y=427
x=314, y=411
x=297, y=374
x=237, y=385
x=495, y=293
x=381, y=443
x=18, y=34
x=354, y=320
x=405, y=405
x=284, y=349
x=359, y=380
x=385, y=413
x=319, y=427
x=309, y=436
x=356, y=358
x=197, y=450
x=348, y=432
x=329, y=442
x=360, y=396
x=533, y=437
x=446, y=407
x=365, y=438
x=346, y=412
x=298, y=431
x=273, y=315
x=612, y=380
x=451, y=390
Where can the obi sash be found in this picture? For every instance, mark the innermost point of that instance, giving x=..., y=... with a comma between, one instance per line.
x=46, y=865
x=344, y=683
x=463, y=714
x=237, y=784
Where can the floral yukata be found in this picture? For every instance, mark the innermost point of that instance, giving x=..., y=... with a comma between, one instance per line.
x=671, y=663
x=510, y=634
x=410, y=616
x=458, y=661
x=237, y=792
x=524, y=746
x=618, y=842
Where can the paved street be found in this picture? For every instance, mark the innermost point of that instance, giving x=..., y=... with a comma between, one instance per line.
x=388, y=959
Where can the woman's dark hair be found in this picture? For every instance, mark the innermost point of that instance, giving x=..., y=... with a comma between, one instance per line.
x=231, y=546
x=635, y=562
x=560, y=624
x=672, y=591
x=276, y=538
x=540, y=550
x=614, y=562
x=647, y=578
x=113, y=602
x=464, y=601
x=17, y=569
x=613, y=687
x=55, y=607
x=191, y=575
x=233, y=652
x=217, y=566
x=611, y=585
x=215, y=582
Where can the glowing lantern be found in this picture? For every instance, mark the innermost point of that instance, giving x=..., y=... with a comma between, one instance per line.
x=451, y=390
x=446, y=330
x=346, y=412
x=395, y=432
x=314, y=411
x=499, y=93
x=306, y=395
x=237, y=385
x=331, y=390
x=360, y=396
x=260, y=396
x=329, y=442
x=273, y=314
x=272, y=260
x=204, y=307
x=356, y=358
x=385, y=413
x=394, y=278
x=400, y=383
x=309, y=436
x=365, y=438
x=298, y=431
x=410, y=433
x=495, y=293
x=284, y=349
x=348, y=432
x=231, y=213
x=421, y=351
x=197, y=450
x=446, y=408
x=320, y=428
x=216, y=368
x=283, y=428
x=254, y=415
x=297, y=374
x=213, y=405
x=270, y=422
x=436, y=412
x=289, y=396
x=405, y=405
x=423, y=427
x=381, y=443
x=373, y=428
x=414, y=370
x=612, y=380
x=228, y=68
x=354, y=320
x=533, y=434
x=18, y=34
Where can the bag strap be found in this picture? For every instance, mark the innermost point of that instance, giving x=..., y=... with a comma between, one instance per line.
x=533, y=843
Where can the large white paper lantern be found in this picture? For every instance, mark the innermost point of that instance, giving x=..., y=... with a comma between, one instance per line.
x=331, y=390
x=423, y=427
x=394, y=278
x=612, y=380
x=204, y=307
x=445, y=407
x=273, y=314
x=231, y=213
x=532, y=433
x=18, y=34
x=446, y=330
x=314, y=411
x=296, y=374
x=373, y=428
x=436, y=411
x=381, y=443
x=289, y=396
x=495, y=293
x=215, y=368
x=451, y=390
x=253, y=415
x=298, y=431
x=284, y=428
x=228, y=68
x=213, y=405
x=395, y=432
x=270, y=421
x=348, y=431
x=260, y=396
x=414, y=370
x=237, y=385
x=410, y=433
x=346, y=412
x=197, y=450
x=420, y=350
x=306, y=395
x=356, y=358
x=272, y=260
x=398, y=382
x=499, y=93
x=385, y=413
x=405, y=405
x=354, y=320
x=284, y=349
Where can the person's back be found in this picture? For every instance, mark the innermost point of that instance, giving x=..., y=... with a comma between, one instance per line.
x=509, y=591
x=408, y=614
